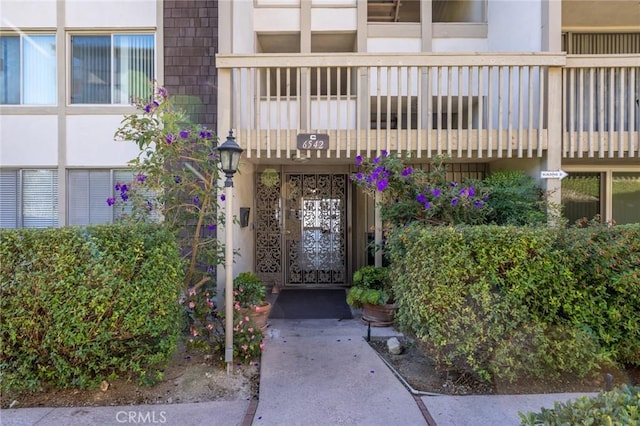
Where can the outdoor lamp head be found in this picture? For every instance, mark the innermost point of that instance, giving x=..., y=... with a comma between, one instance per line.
x=230, y=153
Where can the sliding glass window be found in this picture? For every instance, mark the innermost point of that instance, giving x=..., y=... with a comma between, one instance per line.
x=28, y=69
x=626, y=197
x=111, y=69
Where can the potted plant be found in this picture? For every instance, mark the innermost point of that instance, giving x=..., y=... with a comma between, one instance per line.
x=372, y=292
x=250, y=298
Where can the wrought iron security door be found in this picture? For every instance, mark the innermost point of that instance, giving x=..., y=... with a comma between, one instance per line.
x=315, y=231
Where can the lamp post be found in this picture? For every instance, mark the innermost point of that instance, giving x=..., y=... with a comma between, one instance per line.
x=229, y=153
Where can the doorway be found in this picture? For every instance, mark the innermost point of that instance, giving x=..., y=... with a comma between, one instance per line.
x=301, y=229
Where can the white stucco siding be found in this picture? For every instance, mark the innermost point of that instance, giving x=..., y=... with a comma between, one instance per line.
x=329, y=19
x=90, y=142
x=393, y=45
x=28, y=13
x=111, y=13
x=28, y=140
x=448, y=45
x=514, y=25
x=276, y=19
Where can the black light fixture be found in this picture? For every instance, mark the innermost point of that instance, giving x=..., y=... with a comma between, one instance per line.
x=230, y=153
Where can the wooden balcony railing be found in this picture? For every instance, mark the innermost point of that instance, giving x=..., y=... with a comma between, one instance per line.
x=463, y=105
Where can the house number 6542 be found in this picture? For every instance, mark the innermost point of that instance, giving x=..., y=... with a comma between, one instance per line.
x=313, y=141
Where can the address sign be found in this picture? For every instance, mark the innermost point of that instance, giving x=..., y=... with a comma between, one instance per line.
x=312, y=141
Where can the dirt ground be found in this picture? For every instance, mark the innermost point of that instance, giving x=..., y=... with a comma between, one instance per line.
x=190, y=377
x=420, y=373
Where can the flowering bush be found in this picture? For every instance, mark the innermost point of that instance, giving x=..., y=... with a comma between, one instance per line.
x=206, y=328
x=176, y=176
x=408, y=194
x=248, y=340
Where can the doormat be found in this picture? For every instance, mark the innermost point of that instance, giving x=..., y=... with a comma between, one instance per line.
x=311, y=304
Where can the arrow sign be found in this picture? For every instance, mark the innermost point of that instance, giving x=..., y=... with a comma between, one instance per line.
x=553, y=174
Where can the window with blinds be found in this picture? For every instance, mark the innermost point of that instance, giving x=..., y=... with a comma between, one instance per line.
x=88, y=191
x=28, y=198
x=111, y=69
x=28, y=69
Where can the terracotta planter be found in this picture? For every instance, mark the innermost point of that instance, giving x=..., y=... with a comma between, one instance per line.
x=259, y=314
x=378, y=315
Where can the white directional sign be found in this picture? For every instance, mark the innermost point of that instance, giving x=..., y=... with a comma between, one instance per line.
x=553, y=174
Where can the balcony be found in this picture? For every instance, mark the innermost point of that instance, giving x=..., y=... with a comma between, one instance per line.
x=467, y=106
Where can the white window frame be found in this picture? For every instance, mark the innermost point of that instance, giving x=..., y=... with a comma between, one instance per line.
x=21, y=37
x=114, y=211
x=111, y=35
x=19, y=202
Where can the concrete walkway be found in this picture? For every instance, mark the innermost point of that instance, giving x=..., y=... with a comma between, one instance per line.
x=313, y=372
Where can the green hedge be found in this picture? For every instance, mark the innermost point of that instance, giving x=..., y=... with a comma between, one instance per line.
x=502, y=302
x=620, y=406
x=606, y=265
x=79, y=305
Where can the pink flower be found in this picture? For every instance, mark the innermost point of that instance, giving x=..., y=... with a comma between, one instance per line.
x=244, y=347
x=250, y=329
x=192, y=304
x=192, y=292
x=210, y=326
x=261, y=345
x=246, y=319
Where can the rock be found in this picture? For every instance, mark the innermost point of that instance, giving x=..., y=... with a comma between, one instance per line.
x=104, y=386
x=393, y=346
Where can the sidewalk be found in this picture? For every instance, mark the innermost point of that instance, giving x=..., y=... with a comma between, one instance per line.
x=313, y=372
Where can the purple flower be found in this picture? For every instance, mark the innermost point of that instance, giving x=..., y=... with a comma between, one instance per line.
x=156, y=104
x=170, y=138
x=184, y=134
x=162, y=92
x=204, y=134
x=376, y=160
x=436, y=192
x=147, y=108
x=124, y=188
x=196, y=200
x=358, y=160
x=427, y=205
x=453, y=184
x=141, y=177
x=223, y=197
x=407, y=171
x=149, y=205
x=117, y=187
x=478, y=204
x=382, y=184
x=211, y=226
x=124, y=196
x=177, y=179
x=485, y=197
x=471, y=191
x=384, y=153
x=359, y=176
x=111, y=201
x=454, y=202
x=421, y=198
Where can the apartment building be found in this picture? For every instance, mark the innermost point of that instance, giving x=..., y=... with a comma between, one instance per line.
x=308, y=85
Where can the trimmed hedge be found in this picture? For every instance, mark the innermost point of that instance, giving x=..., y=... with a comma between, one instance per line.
x=79, y=305
x=620, y=406
x=503, y=302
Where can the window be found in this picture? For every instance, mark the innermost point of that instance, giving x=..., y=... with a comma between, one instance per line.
x=581, y=193
x=28, y=198
x=88, y=191
x=626, y=197
x=28, y=69
x=111, y=69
